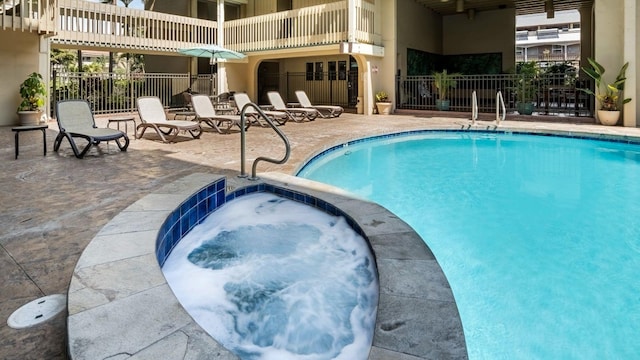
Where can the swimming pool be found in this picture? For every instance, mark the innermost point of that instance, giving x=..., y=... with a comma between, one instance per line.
x=535, y=233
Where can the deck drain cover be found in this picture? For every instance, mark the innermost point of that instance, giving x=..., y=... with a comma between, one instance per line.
x=37, y=311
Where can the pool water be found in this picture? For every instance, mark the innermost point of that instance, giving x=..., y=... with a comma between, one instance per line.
x=270, y=278
x=539, y=236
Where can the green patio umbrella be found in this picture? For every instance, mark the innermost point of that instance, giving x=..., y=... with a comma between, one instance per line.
x=213, y=52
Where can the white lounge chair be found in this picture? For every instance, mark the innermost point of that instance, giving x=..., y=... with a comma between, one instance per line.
x=297, y=114
x=242, y=99
x=326, y=111
x=206, y=113
x=152, y=115
x=75, y=120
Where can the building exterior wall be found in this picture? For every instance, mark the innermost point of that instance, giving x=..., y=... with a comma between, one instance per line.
x=18, y=58
x=487, y=32
x=420, y=29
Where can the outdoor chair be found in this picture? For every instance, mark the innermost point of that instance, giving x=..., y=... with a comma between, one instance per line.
x=326, y=111
x=297, y=114
x=206, y=113
x=242, y=99
x=152, y=115
x=75, y=120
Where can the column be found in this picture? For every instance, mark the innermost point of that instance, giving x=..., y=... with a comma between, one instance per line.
x=221, y=77
x=631, y=28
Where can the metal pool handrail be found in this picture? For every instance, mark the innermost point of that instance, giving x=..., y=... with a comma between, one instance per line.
x=499, y=105
x=243, y=121
x=474, y=107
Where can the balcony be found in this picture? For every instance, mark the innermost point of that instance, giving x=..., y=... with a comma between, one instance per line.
x=310, y=26
x=91, y=25
x=28, y=15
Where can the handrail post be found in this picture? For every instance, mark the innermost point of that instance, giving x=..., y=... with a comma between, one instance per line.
x=243, y=141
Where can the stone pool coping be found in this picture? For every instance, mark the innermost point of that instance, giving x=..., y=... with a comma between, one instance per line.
x=120, y=305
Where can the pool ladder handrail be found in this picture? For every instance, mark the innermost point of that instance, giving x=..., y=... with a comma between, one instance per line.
x=500, y=105
x=243, y=122
x=474, y=107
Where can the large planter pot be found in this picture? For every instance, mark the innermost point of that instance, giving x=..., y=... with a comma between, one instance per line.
x=29, y=117
x=442, y=105
x=525, y=108
x=384, y=108
x=607, y=117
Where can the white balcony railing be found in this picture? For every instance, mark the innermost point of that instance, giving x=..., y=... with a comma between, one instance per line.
x=309, y=26
x=103, y=26
x=28, y=15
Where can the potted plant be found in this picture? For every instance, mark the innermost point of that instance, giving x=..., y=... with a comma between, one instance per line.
x=382, y=103
x=525, y=87
x=607, y=94
x=443, y=82
x=33, y=92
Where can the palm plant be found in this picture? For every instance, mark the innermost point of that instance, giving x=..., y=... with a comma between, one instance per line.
x=608, y=94
x=444, y=81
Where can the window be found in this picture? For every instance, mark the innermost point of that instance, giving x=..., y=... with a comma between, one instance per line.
x=342, y=70
x=556, y=49
x=309, y=71
x=319, y=71
x=332, y=70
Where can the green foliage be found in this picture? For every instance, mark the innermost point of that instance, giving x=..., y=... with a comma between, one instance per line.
x=525, y=86
x=33, y=92
x=382, y=96
x=444, y=81
x=608, y=94
x=64, y=58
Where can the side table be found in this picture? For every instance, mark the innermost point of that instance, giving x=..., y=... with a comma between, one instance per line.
x=123, y=119
x=19, y=129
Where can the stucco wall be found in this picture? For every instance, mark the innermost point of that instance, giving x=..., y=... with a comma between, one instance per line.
x=419, y=28
x=19, y=58
x=487, y=32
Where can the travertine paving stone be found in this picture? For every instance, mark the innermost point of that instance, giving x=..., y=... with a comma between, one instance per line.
x=54, y=205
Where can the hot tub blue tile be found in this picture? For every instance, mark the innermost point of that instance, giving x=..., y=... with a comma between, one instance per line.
x=220, y=199
x=220, y=185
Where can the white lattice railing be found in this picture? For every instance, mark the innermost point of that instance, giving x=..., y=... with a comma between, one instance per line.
x=96, y=25
x=103, y=25
x=28, y=15
x=309, y=26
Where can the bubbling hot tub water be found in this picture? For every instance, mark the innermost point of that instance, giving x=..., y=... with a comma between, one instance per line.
x=270, y=278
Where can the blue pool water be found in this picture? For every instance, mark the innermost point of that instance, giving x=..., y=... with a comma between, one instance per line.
x=539, y=236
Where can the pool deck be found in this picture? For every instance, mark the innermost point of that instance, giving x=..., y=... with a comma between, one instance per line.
x=55, y=205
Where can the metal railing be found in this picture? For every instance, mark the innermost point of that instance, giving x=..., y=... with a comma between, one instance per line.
x=500, y=108
x=474, y=107
x=551, y=94
x=243, y=142
x=114, y=93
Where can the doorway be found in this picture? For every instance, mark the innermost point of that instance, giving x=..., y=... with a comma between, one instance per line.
x=268, y=80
